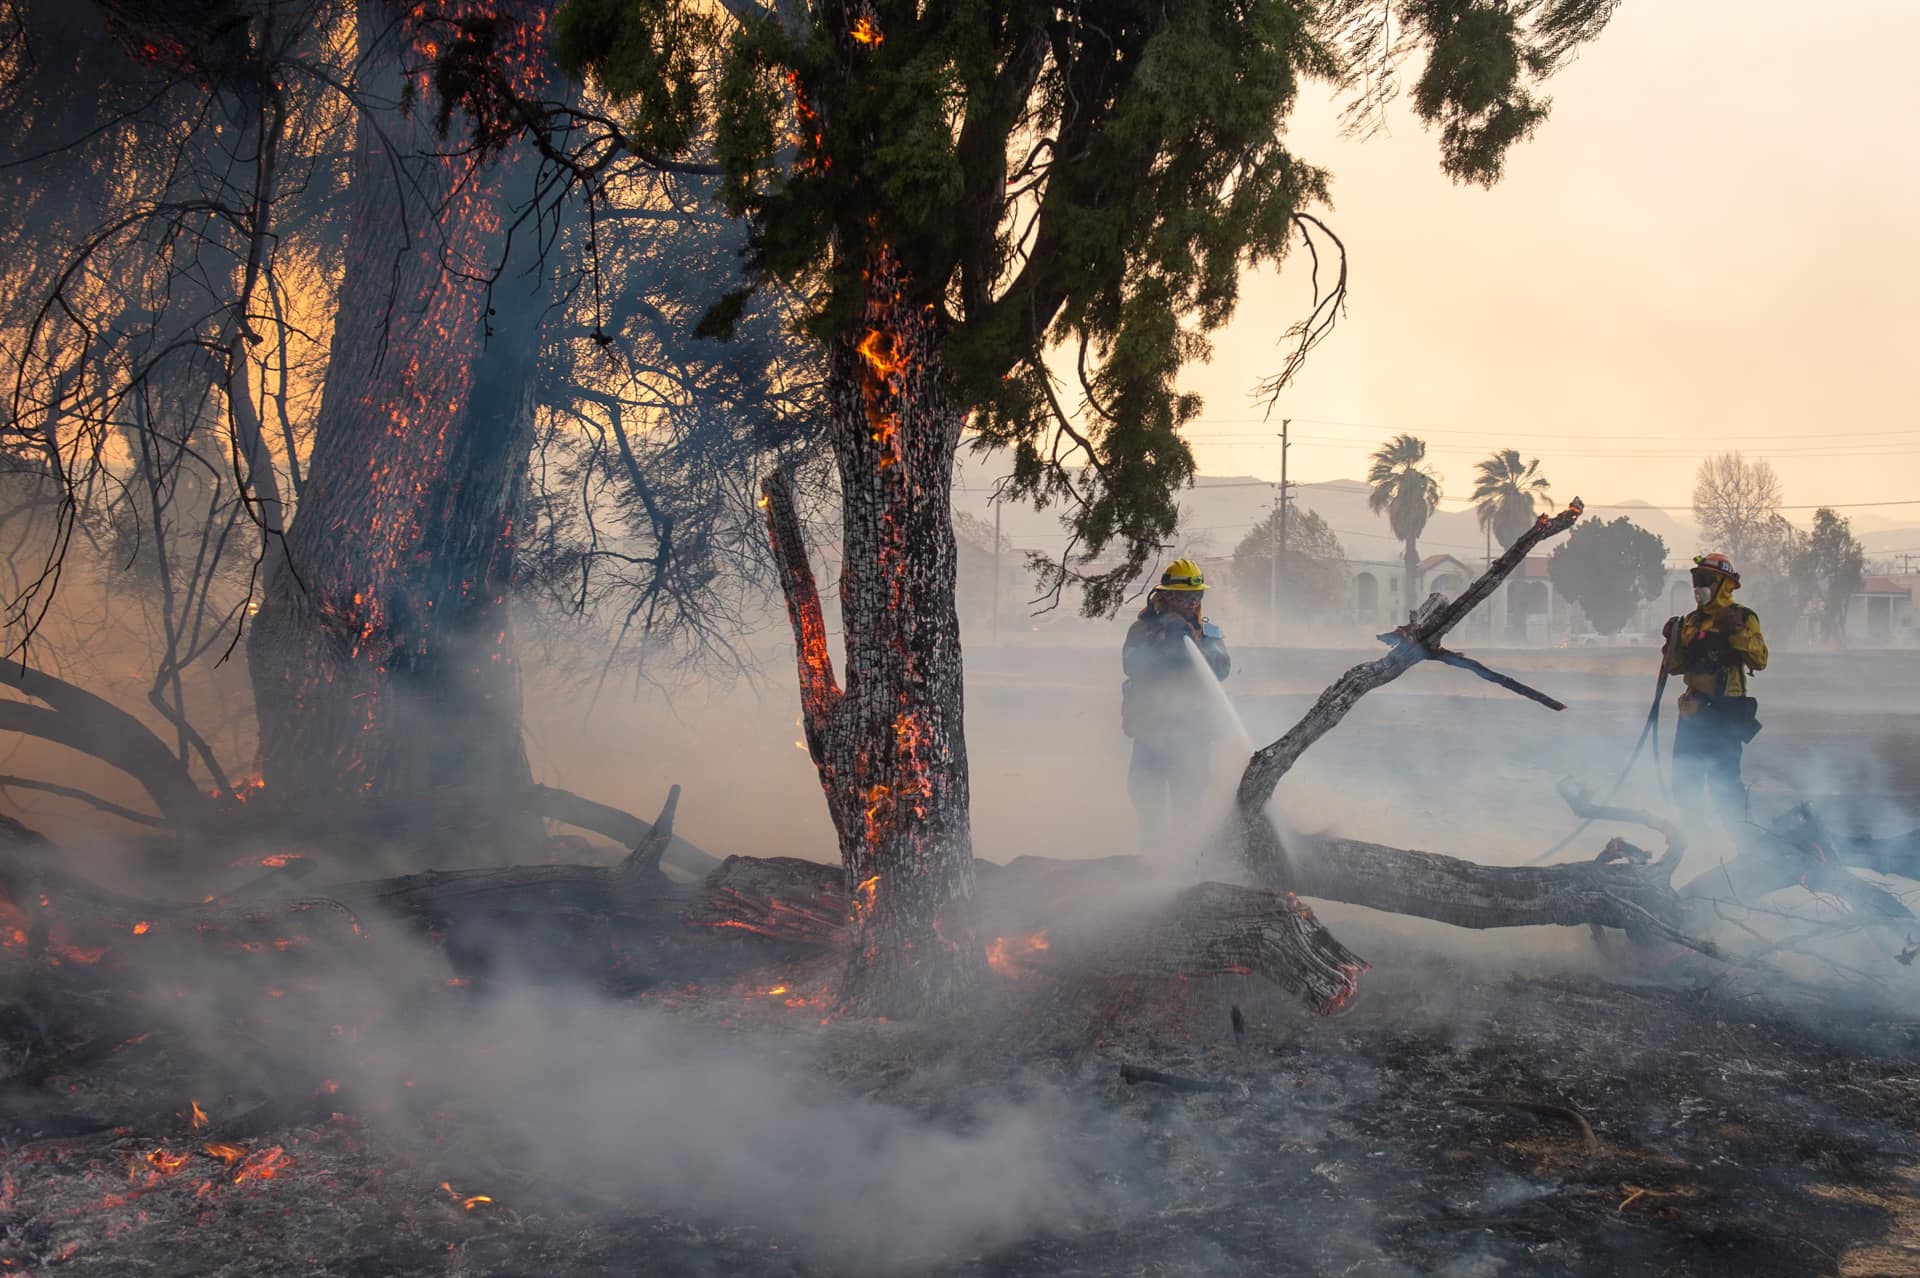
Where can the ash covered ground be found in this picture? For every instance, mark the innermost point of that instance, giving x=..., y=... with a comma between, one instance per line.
x=402, y=1118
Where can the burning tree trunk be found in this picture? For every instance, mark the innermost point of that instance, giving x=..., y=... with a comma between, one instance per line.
x=888, y=746
x=381, y=657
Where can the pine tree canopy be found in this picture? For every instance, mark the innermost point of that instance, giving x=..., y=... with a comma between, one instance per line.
x=1066, y=184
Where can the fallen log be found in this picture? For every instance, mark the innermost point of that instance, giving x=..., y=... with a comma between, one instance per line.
x=1467, y=894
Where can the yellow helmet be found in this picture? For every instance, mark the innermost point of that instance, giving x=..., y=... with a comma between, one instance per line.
x=1182, y=574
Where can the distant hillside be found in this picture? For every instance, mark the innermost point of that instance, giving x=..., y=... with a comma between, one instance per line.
x=1217, y=512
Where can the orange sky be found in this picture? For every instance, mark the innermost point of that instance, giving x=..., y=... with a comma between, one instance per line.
x=1708, y=245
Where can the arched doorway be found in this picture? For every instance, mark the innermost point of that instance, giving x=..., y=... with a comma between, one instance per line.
x=1366, y=598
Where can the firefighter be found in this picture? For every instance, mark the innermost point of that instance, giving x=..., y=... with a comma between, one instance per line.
x=1713, y=649
x=1162, y=708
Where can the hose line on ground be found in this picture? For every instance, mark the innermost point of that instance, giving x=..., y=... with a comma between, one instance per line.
x=1650, y=731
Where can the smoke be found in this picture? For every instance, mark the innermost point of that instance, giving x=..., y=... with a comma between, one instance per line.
x=618, y=1108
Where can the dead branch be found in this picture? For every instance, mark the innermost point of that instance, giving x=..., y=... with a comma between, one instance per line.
x=1415, y=642
x=1580, y=799
x=1133, y=1075
x=1467, y=894
x=819, y=692
x=1565, y=1113
x=82, y=796
x=643, y=862
x=76, y=718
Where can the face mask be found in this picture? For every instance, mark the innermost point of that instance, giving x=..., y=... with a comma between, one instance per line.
x=1703, y=595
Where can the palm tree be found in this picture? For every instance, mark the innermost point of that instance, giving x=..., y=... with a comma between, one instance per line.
x=1408, y=490
x=1508, y=495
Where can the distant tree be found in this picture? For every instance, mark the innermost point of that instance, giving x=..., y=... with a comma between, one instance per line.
x=1313, y=569
x=1827, y=569
x=1736, y=502
x=1408, y=491
x=1508, y=494
x=1609, y=569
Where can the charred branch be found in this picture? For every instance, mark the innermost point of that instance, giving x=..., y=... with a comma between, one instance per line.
x=79, y=720
x=1415, y=642
x=819, y=693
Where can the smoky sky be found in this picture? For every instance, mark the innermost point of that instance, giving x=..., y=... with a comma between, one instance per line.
x=1706, y=246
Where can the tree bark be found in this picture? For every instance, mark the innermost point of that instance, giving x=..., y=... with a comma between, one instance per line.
x=382, y=659
x=888, y=745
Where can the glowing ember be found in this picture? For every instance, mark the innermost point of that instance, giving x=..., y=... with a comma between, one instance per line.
x=164, y=1163
x=467, y=1201
x=1005, y=954
x=264, y=1165
x=228, y=1154
x=86, y=954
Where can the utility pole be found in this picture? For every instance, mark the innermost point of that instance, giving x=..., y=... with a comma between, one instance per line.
x=1280, y=547
x=996, y=570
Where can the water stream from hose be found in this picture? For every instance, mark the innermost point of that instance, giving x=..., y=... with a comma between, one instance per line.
x=1219, y=707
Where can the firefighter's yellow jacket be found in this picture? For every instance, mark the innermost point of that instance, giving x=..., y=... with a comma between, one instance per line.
x=1717, y=647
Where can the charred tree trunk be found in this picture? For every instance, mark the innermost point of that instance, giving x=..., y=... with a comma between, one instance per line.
x=888, y=745
x=381, y=659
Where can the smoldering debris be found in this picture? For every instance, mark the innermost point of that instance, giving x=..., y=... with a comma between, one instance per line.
x=726, y=1129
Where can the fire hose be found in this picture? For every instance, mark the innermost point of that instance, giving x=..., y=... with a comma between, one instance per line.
x=1648, y=732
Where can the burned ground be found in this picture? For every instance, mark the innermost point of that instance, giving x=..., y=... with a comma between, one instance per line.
x=405, y=1113
x=1731, y=1135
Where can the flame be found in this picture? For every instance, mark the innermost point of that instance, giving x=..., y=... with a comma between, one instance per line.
x=864, y=32
x=883, y=363
x=199, y=1115
x=166, y=1164
x=863, y=895
x=778, y=989
x=264, y=1165
x=228, y=1154
x=467, y=1201
x=142, y=928
x=1005, y=954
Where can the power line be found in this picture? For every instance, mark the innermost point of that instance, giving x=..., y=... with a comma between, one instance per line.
x=1817, y=505
x=1499, y=434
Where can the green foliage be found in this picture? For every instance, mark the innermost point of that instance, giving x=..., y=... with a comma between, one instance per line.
x=1827, y=569
x=1609, y=569
x=1313, y=569
x=1508, y=494
x=1055, y=178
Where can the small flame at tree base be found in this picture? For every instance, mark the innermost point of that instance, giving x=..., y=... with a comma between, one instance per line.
x=1007, y=955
